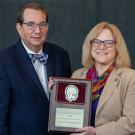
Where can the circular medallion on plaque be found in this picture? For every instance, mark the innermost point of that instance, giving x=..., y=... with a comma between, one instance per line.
x=71, y=93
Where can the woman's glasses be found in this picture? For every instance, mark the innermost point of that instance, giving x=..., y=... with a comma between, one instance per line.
x=97, y=43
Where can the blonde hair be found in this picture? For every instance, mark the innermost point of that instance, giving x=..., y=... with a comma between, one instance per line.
x=122, y=56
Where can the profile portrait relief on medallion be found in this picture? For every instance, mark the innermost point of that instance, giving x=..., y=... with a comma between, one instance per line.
x=71, y=93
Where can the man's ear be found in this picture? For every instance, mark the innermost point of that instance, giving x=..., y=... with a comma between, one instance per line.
x=19, y=28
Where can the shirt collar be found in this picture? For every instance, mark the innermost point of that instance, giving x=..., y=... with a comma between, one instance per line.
x=29, y=51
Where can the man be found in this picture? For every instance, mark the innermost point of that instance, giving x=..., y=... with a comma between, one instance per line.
x=24, y=73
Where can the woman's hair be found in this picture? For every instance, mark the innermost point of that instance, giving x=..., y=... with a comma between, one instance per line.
x=31, y=5
x=122, y=56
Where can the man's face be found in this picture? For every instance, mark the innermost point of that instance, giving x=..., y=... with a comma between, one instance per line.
x=33, y=35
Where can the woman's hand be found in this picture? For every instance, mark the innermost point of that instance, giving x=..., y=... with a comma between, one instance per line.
x=85, y=131
x=50, y=83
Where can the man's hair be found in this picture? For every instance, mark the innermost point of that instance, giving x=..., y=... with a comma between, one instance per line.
x=31, y=5
x=122, y=58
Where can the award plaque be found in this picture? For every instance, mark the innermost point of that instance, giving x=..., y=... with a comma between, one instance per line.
x=70, y=105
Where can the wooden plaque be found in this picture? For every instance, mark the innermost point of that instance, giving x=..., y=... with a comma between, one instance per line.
x=70, y=105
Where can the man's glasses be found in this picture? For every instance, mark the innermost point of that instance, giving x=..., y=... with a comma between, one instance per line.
x=32, y=25
x=97, y=43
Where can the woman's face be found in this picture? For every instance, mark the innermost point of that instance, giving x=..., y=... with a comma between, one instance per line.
x=103, y=48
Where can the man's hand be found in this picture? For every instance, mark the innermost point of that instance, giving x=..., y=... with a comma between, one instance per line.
x=50, y=83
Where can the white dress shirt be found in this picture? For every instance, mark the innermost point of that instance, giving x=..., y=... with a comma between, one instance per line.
x=40, y=68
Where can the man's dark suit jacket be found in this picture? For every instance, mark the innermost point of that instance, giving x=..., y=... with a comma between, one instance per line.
x=23, y=103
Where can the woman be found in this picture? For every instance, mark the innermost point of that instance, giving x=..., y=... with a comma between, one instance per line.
x=106, y=62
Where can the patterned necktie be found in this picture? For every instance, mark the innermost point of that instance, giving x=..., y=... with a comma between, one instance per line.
x=42, y=58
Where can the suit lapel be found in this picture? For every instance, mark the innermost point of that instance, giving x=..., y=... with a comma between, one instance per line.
x=108, y=90
x=49, y=67
x=26, y=65
x=50, y=62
